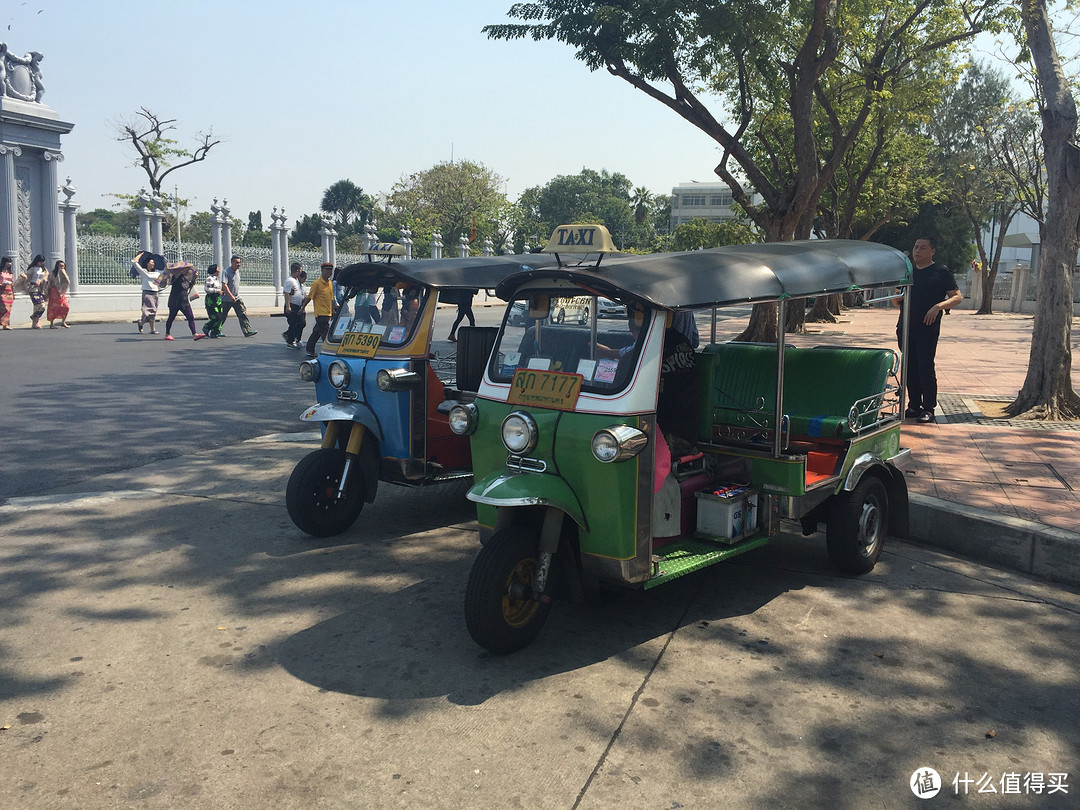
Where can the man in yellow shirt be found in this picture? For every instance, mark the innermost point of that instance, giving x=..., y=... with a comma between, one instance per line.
x=322, y=294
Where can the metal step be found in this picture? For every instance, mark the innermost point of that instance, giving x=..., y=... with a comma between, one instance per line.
x=685, y=556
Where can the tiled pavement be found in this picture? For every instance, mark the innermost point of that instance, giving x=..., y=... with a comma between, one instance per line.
x=1027, y=470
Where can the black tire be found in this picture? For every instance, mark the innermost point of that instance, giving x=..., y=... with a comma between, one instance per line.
x=312, y=498
x=561, y=316
x=858, y=525
x=584, y=317
x=498, y=621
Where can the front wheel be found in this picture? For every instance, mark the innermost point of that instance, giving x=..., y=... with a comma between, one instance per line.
x=584, y=317
x=858, y=525
x=500, y=612
x=312, y=495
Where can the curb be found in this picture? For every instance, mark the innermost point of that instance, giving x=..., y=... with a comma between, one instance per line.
x=1020, y=545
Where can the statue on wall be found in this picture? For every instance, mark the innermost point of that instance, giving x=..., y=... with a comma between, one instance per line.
x=20, y=76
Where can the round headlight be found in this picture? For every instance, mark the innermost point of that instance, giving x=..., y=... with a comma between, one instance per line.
x=309, y=370
x=462, y=419
x=338, y=374
x=605, y=446
x=618, y=443
x=519, y=432
x=382, y=380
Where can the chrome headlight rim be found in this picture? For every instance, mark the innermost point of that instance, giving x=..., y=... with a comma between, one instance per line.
x=338, y=375
x=617, y=443
x=309, y=371
x=463, y=418
x=397, y=379
x=526, y=425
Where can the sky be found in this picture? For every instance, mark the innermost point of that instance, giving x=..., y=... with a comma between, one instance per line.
x=303, y=94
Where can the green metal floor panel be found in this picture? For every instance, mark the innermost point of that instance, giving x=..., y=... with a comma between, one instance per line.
x=685, y=556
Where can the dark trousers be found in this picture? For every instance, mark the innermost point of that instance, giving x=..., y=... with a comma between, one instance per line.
x=463, y=311
x=241, y=313
x=297, y=321
x=921, y=375
x=320, y=330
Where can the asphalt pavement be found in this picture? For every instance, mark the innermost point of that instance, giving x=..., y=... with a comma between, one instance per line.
x=169, y=638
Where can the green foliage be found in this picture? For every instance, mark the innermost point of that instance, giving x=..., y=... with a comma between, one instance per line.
x=254, y=221
x=700, y=233
x=349, y=206
x=456, y=198
x=947, y=224
x=103, y=222
x=306, y=231
x=589, y=196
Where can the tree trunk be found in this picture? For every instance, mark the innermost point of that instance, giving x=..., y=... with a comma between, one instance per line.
x=1047, y=392
x=986, y=305
x=821, y=313
x=762, y=325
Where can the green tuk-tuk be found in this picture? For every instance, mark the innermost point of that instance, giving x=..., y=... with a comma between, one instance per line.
x=629, y=455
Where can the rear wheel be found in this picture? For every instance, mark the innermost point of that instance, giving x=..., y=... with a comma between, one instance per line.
x=500, y=613
x=858, y=525
x=584, y=317
x=312, y=495
x=560, y=316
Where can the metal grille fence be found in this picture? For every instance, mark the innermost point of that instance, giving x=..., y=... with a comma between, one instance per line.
x=106, y=259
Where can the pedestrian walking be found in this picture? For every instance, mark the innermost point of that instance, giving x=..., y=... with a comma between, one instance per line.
x=322, y=297
x=212, y=301
x=464, y=300
x=182, y=277
x=294, y=309
x=230, y=293
x=150, y=269
x=7, y=293
x=35, y=282
x=934, y=291
x=58, y=302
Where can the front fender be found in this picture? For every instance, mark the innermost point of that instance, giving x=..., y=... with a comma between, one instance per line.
x=344, y=411
x=525, y=489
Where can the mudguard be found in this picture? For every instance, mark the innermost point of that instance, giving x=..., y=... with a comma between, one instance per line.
x=516, y=489
x=344, y=411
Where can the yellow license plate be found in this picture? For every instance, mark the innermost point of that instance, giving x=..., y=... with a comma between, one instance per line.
x=545, y=389
x=358, y=344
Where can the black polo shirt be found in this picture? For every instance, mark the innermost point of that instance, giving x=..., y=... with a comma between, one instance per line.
x=931, y=285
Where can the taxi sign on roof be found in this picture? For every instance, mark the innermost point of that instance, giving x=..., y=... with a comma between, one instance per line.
x=580, y=239
x=385, y=249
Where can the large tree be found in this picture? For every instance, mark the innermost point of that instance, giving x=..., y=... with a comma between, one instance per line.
x=601, y=196
x=757, y=59
x=157, y=154
x=457, y=198
x=1047, y=392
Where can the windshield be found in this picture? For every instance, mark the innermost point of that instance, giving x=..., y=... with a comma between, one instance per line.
x=556, y=332
x=389, y=312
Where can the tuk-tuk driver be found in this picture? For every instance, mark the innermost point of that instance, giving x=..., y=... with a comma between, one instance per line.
x=677, y=400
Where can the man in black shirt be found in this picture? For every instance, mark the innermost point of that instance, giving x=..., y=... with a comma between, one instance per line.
x=933, y=291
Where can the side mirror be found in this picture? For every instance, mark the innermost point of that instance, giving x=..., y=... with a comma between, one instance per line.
x=539, y=307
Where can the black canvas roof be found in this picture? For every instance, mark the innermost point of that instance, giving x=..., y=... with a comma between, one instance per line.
x=471, y=272
x=737, y=273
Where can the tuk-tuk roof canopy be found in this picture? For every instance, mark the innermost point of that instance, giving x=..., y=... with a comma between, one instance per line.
x=471, y=272
x=737, y=273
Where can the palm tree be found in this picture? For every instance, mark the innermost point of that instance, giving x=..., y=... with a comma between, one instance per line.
x=348, y=203
x=641, y=201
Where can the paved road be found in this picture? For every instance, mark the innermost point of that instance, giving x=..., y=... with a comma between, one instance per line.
x=175, y=642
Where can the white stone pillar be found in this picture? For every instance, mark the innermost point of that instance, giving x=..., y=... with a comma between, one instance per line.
x=407, y=241
x=226, y=232
x=50, y=213
x=283, y=235
x=368, y=237
x=332, y=243
x=463, y=247
x=157, y=218
x=436, y=245
x=489, y=247
x=71, y=242
x=144, y=220
x=215, y=234
x=11, y=205
x=324, y=234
